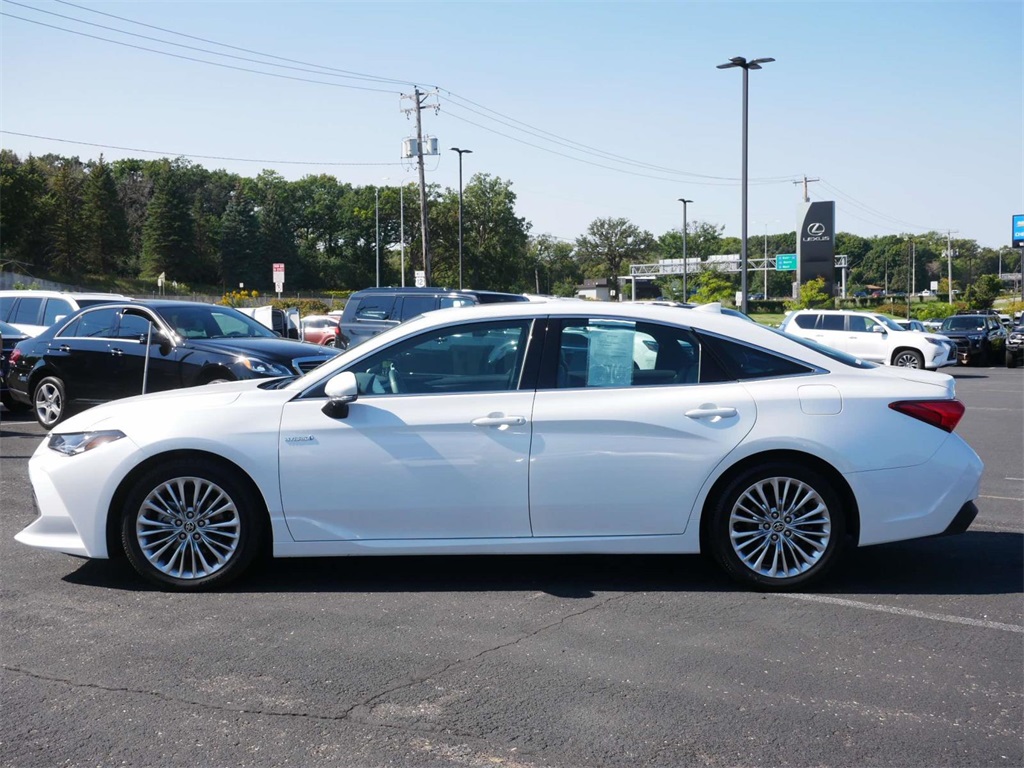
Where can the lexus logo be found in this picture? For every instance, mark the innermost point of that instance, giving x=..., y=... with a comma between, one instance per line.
x=816, y=229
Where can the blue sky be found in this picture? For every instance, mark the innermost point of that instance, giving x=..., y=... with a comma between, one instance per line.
x=909, y=113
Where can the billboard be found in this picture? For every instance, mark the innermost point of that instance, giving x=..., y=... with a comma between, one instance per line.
x=816, y=243
x=1018, y=231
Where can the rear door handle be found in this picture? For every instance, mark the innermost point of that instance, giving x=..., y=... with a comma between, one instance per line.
x=117, y=352
x=64, y=348
x=499, y=421
x=711, y=412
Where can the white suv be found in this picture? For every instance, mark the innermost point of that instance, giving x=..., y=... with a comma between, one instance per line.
x=872, y=337
x=33, y=311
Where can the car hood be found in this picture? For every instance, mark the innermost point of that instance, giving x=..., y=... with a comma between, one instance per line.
x=961, y=334
x=272, y=348
x=193, y=400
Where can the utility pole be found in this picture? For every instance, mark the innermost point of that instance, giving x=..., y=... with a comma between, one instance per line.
x=949, y=263
x=686, y=295
x=419, y=103
x=805, y=182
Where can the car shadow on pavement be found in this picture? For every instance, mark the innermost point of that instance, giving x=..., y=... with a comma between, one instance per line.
x=974, y=563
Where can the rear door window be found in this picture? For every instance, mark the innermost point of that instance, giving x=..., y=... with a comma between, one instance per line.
x=806, y=321
x=832, y=322
x=27, y=311
x=417, y=305
x=375, y=307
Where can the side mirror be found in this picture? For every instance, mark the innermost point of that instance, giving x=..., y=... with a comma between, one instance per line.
x=341, y=390
x=878, y=329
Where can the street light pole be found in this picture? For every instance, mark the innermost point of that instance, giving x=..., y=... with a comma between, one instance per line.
x=461, y=153
x=686, y=294
x=746, y=66
x=376, y=239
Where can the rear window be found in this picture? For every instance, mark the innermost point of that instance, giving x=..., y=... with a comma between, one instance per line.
x=805, y=321
x=744, y=362
x=417, y=305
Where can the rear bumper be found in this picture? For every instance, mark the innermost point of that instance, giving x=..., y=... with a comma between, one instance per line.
x=963, y=519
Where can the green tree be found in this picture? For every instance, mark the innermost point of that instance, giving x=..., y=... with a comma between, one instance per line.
x=237, y=245
x=713, y=285
x=24, y=241
x=611, y=244
x=168, y=235
x=67, y=231
x=106, y=227
x=983, y=292
x=556, y=270
x=812, y=295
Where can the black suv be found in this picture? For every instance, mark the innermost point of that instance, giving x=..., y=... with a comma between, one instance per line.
x=370, y=311
x=980, y=337
x=1015, y=345
x=106, y=352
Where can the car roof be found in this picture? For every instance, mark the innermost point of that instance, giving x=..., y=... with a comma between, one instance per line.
x=62, y=294
x=439, y=291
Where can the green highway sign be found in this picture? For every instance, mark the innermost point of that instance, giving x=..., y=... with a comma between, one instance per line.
x=785, y=262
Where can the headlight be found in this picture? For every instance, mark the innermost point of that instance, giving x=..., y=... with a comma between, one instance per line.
x=74, y=443
x=263, y=368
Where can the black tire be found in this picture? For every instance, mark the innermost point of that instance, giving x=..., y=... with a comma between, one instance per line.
x=191, y=524
x=984, y=355
x=739, y=532
x=1011, y=359
x=908, y=358
x=49, y=402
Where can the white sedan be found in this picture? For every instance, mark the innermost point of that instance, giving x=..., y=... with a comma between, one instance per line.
x=521, y=428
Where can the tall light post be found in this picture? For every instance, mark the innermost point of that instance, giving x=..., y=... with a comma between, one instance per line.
x=686, y=295
x=746, y=66
x=376, y=237
x=461, y=153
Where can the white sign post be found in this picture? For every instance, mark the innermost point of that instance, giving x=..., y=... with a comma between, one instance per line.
x=278, y=278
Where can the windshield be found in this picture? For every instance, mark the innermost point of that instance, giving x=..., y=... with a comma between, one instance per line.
x=202, y=321
x=963, y=323
x=821, y=349
x=889, y=323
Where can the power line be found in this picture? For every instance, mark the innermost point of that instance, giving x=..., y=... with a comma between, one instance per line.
x=200, y=61
x=187, y=47
x=592, y=163
x=189, y=154
x=869, y=209
x=570, y=144
x=235, y=47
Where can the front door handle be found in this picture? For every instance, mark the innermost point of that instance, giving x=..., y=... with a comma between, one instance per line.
x=117, y=352
x=499, y=421
x=64, y=348
x=712, y=412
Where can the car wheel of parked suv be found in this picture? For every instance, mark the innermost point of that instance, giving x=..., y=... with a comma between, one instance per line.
x=908, y=358
x=49, y=402
x=1011, y=359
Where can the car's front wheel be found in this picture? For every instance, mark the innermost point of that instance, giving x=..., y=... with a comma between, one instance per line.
x=777, y=527
x=190, y=525
x=1011, y=359
x=908, y=358
x=49, y=402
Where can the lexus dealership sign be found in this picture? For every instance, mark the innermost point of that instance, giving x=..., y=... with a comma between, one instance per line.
x=816, y=244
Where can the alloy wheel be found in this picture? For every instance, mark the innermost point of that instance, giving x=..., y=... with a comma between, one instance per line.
x=780, y=527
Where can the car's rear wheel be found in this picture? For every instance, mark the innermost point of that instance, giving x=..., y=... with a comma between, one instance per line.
x=778, y=527
x=1011, y=359
x=190, y=525
x=49, y=402
x=908, y=358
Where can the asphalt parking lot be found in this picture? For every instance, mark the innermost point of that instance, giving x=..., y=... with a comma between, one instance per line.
x=913, y=655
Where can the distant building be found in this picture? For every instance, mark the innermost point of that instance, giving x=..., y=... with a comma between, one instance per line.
x=598, y=289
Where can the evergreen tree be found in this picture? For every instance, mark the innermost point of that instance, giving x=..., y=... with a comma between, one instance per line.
x=168, y=236
x=105, y=224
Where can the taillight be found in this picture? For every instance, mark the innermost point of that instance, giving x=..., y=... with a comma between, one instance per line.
x=15, y=356
x=944, y=414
